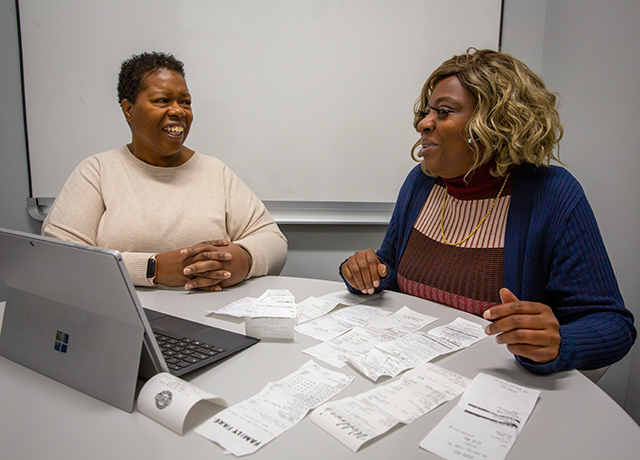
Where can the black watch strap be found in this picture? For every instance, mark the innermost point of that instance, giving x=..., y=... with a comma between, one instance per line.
x=151, y=269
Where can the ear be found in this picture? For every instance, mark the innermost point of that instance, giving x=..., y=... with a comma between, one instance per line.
x=126, y=109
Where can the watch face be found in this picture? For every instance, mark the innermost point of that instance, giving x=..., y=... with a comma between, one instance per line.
x=151, y=268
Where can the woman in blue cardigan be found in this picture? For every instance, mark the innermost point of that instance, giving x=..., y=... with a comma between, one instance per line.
x=484, y=224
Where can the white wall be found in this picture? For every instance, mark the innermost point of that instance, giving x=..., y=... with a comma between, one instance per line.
x=587, y=50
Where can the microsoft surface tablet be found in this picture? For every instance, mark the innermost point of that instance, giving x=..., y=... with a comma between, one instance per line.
x=72, y=314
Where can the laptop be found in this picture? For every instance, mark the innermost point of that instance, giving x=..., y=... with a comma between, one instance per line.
x=72, y=314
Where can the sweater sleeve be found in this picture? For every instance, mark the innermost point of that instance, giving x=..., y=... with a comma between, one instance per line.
x=77, y=212
x=595, y=327
x=250, y=226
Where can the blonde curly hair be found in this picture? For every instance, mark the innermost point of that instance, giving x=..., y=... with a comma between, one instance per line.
x=515, y=118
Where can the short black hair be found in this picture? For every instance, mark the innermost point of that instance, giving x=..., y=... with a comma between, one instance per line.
x=135, y=69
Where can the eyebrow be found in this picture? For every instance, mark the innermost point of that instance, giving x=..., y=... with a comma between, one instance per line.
x=444, y=99
x=169, y=91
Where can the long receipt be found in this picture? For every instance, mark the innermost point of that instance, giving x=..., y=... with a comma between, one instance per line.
x=244, y=428
x=485, y=423
x=356, y=420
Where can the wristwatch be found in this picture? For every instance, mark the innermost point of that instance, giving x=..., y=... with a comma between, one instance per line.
x=151, y=269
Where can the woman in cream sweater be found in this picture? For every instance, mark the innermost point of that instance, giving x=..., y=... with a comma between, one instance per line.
x=178, y=217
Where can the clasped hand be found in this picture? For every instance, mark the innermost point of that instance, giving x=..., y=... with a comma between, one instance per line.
x=209, y=266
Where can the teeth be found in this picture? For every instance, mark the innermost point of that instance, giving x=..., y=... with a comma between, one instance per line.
x=174, y=129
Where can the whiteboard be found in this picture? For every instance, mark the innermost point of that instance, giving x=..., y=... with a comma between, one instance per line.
x=304, y=100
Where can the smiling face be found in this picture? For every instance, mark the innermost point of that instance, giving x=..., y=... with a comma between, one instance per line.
x=160, y=119
x=445, y=151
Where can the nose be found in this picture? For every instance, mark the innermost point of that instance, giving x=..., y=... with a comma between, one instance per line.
x=176, y=110
x=427, y=124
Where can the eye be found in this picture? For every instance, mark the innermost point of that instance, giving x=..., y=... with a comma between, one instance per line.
x=186, y=102
x=442, y=111
x=161, y=100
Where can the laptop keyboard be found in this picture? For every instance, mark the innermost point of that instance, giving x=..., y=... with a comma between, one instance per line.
x=184, y=353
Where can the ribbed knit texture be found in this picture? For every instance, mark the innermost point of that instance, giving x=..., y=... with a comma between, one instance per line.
x=553, y=254
x=469, y=276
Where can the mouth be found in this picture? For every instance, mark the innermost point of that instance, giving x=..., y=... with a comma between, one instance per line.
x=175, y=131
x=426, y=148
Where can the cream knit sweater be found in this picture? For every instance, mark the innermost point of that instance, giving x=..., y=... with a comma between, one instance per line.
x=113, y=200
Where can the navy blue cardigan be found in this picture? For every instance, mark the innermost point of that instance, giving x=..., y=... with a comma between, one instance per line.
x=553, y=254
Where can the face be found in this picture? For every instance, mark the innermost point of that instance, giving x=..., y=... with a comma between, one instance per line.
x=160, y=119
x=445, y=151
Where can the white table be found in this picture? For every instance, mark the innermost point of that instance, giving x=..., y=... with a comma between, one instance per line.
x=42, y=419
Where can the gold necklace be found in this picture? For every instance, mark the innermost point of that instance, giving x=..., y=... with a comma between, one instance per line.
x=444, y=204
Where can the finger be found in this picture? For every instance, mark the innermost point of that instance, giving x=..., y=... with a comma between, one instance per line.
x=205, y=268
x=383, y=271
x=353, y=275
x=531, y=337
x=536, y=354
x=368, y=270
x=507, y=296
x=204, y=265
x=522, y=320
x=512, y=308
x=354, y=278
x=498, y=311
x=203, y=284
x=203, y=246
x=212, y=255
x=218, y=242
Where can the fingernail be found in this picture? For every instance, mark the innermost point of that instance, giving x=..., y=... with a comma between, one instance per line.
x=188, y=286
x=227, y=274
x=184, y=252
x=376, y=283
x=187, y=271
x=486, y=330
x=370, y=291
x=487, y=314
x=364, y=291
x=498, y=339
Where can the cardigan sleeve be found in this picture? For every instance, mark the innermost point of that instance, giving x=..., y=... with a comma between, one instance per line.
x=595, y=327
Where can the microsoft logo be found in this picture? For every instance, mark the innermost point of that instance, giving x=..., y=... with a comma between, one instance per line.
x=62, y=342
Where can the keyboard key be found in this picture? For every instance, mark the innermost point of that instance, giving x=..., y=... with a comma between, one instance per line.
x=207, y=352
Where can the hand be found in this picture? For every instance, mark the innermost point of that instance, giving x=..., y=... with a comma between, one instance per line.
x=215, y=264
x=210, y=265
x=529, y=329
x=363, y=271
